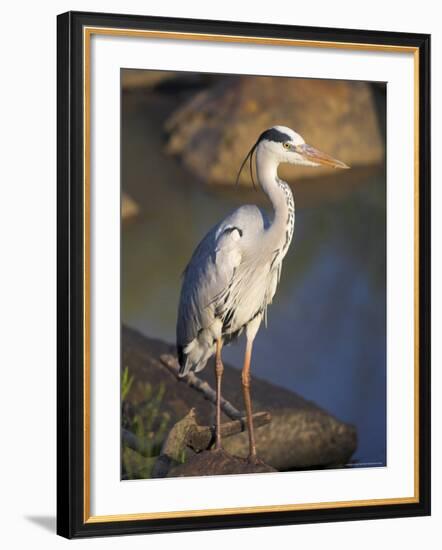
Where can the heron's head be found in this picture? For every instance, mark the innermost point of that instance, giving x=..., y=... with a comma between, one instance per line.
x=287, y=146
x=282, y=145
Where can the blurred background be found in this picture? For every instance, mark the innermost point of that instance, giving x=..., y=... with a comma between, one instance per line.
x=184, y=136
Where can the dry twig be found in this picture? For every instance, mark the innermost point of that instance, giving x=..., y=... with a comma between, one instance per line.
x=201, y=385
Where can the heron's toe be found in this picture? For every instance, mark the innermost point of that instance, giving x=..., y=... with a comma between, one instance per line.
x=254, y=459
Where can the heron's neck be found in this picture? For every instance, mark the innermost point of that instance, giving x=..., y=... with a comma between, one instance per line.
x=280, y=196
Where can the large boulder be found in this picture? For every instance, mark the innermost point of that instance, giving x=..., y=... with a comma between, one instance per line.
x=139, y=79
x=129, y=208
x=214, y=130
x=300, y=435
x=145, y=81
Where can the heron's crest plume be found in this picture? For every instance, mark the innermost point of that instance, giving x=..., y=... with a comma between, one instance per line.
x=277, y=134
x=249, y=157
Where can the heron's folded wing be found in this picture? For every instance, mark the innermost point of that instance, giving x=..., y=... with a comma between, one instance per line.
x=213, y=267
x=208, y=273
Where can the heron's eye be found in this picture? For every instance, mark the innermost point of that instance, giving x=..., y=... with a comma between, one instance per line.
x=286, y=145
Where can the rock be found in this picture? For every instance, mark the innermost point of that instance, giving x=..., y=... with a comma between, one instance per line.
x=133, y=79
x=145, y=80
x=129, y=208
x=300, y=435
x=174, y=449
x=187, y=442
x=213, y=131
x=218, y=462
x=299, y=438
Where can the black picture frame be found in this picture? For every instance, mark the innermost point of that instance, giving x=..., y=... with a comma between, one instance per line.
x=71, y=520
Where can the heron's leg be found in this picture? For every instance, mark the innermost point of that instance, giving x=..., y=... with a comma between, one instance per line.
x=219, y=368
x=247, y=399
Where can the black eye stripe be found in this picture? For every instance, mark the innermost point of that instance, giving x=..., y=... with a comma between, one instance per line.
x=274, y=135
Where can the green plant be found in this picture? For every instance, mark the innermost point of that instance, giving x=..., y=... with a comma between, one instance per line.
x=126, y=383
x=147, y=421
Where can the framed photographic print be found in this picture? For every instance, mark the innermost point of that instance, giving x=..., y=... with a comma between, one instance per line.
x=243, y=274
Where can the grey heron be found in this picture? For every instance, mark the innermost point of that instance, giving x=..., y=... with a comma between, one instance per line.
x=233, y=273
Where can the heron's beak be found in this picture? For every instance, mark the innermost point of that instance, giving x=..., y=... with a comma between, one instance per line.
x=318, y=157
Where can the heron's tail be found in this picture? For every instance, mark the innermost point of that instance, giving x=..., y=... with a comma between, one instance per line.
x=192, y=357
x=183, y=360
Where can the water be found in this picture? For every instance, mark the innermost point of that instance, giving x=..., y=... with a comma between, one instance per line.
x=326, y=334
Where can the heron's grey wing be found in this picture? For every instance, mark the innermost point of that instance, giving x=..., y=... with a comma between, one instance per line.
x=211, y=270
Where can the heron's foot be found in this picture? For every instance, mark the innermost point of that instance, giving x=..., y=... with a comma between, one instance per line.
x=217, y=439
x=255, y=460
